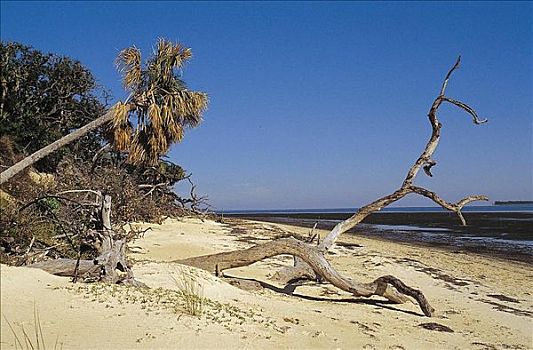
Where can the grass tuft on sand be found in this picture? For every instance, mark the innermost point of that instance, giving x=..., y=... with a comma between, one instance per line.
x=33, y=341
x=192, y=292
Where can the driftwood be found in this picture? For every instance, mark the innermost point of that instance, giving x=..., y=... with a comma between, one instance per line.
x=424, y=161
x=110, y=266
x=216, y=263
x=67, y=267
x=310, y=262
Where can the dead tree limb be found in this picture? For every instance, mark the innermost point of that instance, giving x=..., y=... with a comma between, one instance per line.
x=389, y=287
x=153, y=187
x=424, y=161
x=67, y=267
x=195, y=201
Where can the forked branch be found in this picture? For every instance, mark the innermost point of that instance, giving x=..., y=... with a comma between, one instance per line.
x=455, y=207
x=467, y=108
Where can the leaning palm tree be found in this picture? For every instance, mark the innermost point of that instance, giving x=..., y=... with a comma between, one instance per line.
x=159, y=100
x=154, y=116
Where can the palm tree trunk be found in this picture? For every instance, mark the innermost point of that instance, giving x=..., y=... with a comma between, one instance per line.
x=43, y=152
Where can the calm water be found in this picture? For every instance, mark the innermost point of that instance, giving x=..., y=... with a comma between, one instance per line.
x=523, y=208
x=499, y=229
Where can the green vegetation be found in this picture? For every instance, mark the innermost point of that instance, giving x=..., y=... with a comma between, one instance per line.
x=44, y=97
x=191, y=292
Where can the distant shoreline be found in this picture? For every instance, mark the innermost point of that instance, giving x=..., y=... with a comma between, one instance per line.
x=513, y=203
x=514, y=208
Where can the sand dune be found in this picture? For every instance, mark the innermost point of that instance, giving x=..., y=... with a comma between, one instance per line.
x=487, y=303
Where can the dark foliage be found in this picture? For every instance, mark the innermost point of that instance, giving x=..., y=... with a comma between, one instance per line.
x=44, y=97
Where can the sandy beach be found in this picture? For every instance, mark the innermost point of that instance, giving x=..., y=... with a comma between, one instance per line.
x=481, y=302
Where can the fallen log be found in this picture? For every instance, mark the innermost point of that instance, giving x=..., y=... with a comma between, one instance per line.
x=424, y=162
x=109, y=267
x=388, y=287
x=67, y=267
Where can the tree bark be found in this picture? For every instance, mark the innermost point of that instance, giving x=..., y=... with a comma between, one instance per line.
x=43, y=152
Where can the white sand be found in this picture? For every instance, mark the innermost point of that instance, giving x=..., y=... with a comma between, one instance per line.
x=318, y=316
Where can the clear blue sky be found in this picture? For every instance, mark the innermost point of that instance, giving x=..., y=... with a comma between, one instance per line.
x=322, y=104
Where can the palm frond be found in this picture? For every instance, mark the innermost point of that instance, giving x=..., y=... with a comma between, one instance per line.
x=180, y=55
x=137, y=153
x=122, y=138
x=129, y=63
x=192, y=105
x=174, y=132
x=122, y=128
x=159, y=98
x=120, y=114
x=166, y=115
x=154, y=112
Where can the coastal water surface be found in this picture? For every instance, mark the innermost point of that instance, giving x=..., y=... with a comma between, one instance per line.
x=504, y=230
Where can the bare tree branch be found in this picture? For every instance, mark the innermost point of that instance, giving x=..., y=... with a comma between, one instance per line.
x=450, y=206
x=445, y=83
x=467, y=108
x=194, y=201
x=425, y=160
x=98, y=194
x=455, y=207
x=389, y=287
x=153, y=187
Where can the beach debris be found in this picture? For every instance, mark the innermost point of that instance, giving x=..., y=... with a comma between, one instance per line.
x=388, y=286
x=291, y=320
x=502, y=297
x=310, y=261
x=438, y=274
x=508, y=309
x=433, y=326
x=364, y=328
x=349, y=245
x=301, y=269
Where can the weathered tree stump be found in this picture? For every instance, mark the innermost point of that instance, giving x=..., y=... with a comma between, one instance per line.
x=110, y=266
